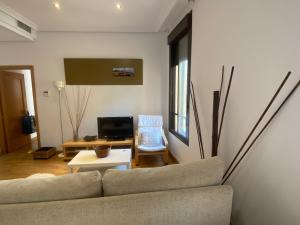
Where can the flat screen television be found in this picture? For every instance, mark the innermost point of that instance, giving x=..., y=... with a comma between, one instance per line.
x=115, y=128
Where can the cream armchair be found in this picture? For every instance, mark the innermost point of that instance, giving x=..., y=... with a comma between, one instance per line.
x=150, y=138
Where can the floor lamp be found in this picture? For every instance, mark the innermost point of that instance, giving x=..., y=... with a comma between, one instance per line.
x=60, y=85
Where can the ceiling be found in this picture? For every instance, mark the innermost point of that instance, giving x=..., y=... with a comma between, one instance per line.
x=96, y=15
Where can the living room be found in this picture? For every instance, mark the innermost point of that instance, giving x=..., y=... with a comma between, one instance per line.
x=242, y=49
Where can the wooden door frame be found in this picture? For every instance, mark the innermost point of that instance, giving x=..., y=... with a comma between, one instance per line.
x=3, y=150
x=31, y=68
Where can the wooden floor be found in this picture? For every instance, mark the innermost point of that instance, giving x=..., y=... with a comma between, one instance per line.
x=20, y=164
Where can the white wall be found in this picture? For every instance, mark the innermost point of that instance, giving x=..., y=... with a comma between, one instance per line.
x=47, y=53
x=261, y=38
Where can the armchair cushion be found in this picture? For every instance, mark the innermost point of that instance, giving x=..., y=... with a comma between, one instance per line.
x=151, y=139
x=150, y=121
x=151, y=148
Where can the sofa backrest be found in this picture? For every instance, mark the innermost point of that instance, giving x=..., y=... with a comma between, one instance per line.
x=201, y=173
x=71, y=186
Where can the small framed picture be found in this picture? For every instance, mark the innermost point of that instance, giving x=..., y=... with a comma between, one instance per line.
x=123, y=71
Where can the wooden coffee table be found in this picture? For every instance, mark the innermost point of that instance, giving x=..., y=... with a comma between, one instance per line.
x=70, y=148
x=87, y=159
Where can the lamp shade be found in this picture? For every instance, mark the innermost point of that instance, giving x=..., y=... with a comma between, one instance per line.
x=59, y=84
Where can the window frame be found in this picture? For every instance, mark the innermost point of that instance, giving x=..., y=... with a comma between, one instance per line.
x=182, y=29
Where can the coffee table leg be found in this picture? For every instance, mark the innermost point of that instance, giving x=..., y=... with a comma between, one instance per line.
x=70, y=170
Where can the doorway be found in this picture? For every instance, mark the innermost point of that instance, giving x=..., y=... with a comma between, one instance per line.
x=17, y=103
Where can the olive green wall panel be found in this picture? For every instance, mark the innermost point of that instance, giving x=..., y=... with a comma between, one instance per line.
x=86, y=71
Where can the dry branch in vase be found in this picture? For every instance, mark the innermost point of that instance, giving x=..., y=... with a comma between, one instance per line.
x=76, y=99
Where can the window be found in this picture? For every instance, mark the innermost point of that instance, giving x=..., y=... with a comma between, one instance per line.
x=179, y=82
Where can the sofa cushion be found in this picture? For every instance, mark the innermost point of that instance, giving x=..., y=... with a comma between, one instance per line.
x=71, y=186
x=201, y=173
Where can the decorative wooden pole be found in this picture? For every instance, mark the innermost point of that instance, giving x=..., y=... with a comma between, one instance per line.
x=215, y=123
x=215, y=117
x=224, y=106
x=222, y=80
x=262, y=130
x=197, y=121
x=258, y=122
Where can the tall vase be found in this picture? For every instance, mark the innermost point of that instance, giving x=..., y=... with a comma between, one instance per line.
x=75, y=136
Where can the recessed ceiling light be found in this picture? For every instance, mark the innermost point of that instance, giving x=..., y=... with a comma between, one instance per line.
x=118, y=6
x=57, y=5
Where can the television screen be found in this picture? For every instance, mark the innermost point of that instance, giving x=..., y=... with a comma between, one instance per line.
x=115, y=127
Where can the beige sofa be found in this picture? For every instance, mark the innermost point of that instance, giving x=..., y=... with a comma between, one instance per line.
x=183, y=194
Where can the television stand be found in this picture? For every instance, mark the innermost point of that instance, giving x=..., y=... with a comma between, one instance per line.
x=71, y=148
x=116, y=139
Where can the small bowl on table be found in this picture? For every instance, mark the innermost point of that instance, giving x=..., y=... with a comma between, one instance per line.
x=102, y=151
